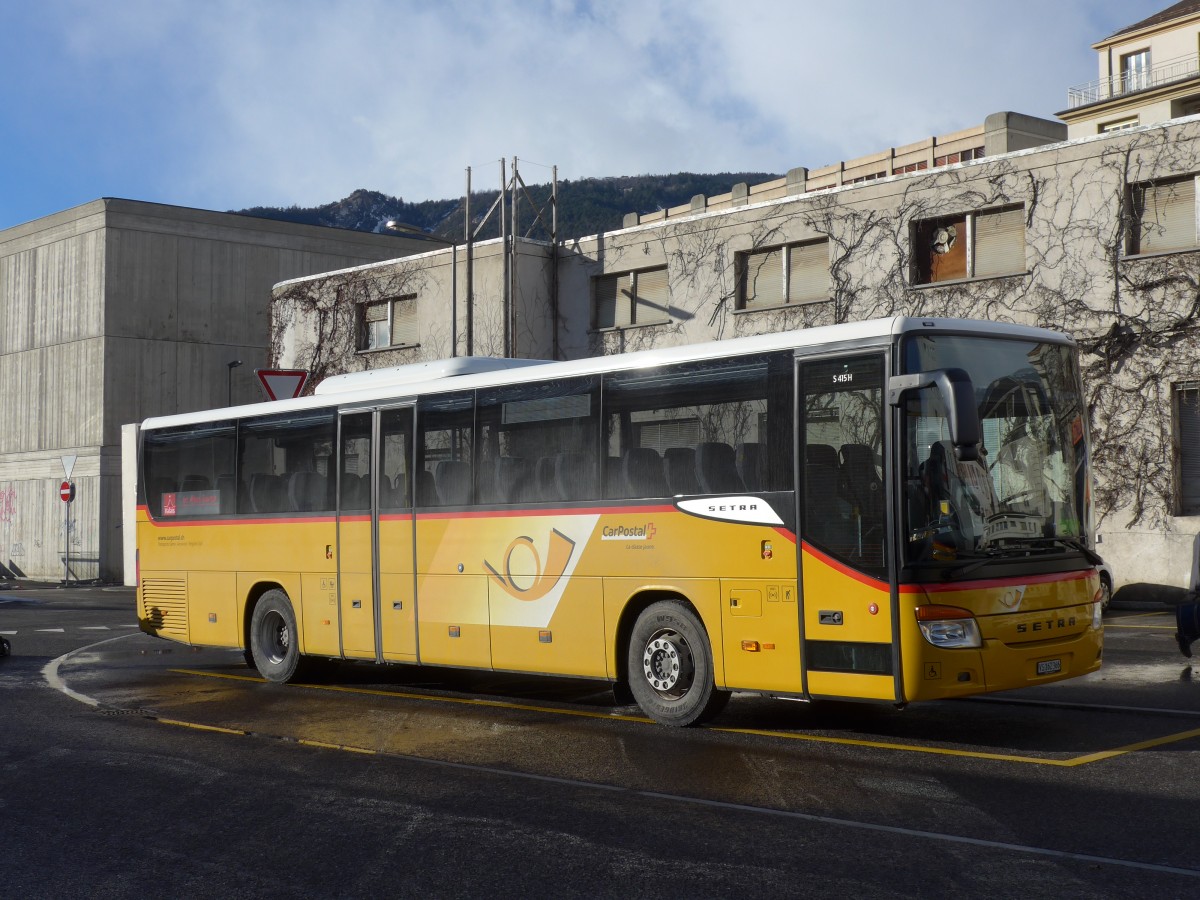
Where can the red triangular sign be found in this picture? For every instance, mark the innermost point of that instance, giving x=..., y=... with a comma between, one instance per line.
x=282, y=384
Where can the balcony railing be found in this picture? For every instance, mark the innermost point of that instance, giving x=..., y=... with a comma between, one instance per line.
x=1130, y=82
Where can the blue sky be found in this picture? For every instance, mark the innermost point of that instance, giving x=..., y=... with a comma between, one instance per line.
x=223, y=105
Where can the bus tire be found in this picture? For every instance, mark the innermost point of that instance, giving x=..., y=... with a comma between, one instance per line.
x=273, y=637
x=670, y=666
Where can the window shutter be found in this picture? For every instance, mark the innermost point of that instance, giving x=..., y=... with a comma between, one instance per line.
x=612, y=300
x=405, y=328
x=375, y=325
x=1000, y=243
x=1189, y=450
x=653, y=297
x=1167, y=218
x=808, y=273
x=764, y=278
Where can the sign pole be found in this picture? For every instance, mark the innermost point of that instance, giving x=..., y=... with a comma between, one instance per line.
x=67, y=544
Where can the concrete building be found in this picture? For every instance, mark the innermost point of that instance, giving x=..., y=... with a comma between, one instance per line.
x=114, y=311
x=1096, y=235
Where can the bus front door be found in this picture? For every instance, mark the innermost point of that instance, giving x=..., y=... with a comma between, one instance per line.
x=376, y=601
x=848, y=623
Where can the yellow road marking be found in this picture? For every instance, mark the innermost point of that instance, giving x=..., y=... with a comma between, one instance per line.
x=787, y=735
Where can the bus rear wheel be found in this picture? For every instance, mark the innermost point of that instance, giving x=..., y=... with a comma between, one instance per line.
x=670, y=666
x=274, y=644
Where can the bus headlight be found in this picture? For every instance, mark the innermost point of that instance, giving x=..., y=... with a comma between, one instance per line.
x=949, y=627
x=1097, y=615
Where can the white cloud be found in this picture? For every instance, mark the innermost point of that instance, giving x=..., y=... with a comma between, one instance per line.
x=228, y=104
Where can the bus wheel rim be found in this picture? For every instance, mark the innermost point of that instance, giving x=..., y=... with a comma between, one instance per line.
x=667, y=664
x=276, y=636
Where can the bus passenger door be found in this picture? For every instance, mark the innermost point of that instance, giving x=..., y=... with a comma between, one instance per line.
x=847, y=616
x=375, y=538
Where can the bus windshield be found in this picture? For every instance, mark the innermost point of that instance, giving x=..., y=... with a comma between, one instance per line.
x=1026, y=493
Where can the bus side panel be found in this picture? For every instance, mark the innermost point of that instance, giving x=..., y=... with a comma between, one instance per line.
x=453, y=620
x=319, y=613
x=571, y=644
x=761, y=635
x=213, y=609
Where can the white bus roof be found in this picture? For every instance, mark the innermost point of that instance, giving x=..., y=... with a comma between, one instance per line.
x=394, y=376
x=401, y=382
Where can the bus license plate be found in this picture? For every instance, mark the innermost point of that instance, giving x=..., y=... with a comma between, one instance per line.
x=1049, y=667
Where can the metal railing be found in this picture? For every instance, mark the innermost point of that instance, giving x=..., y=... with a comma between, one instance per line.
x=1132, y=81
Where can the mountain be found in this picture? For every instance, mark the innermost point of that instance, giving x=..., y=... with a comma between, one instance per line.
x=586, y=206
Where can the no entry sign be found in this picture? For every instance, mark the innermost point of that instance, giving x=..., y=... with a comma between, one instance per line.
x=66, y=491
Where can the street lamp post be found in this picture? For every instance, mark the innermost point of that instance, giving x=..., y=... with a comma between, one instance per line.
x=232, y=364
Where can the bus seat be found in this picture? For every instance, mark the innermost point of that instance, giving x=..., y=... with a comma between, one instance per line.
x=266, y=493
x=485, y=481
x=308, y=491
x=716, y=469
x=426, y=489
x=356, y=491
x=575, y=476
x=195, y=483
x=821, y=455
x=860, y=482
x=453, y=480
x=751, y=461
x=680, y=465
x=547, y=487
x=514, y=478
x=642, y=473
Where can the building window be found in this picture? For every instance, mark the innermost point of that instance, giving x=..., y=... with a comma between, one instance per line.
x=1118, y=125
x=631, y=298
x=1187, y=434
x=1162, y=216
x=777, y=276
x=987, y=244
x=1135, y=71
x=390, y=323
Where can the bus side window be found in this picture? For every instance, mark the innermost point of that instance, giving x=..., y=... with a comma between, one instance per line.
x=524, y=432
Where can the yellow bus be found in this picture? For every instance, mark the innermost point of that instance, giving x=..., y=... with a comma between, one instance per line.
x=893, y=510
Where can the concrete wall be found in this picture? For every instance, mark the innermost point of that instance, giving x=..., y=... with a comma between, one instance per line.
x=316, y=323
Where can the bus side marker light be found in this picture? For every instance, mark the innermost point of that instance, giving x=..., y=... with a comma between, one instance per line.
x=949, y=627
x=545, y=637
x=750, y=646
x=768, y=646
x=324, y=621
x=455, y=631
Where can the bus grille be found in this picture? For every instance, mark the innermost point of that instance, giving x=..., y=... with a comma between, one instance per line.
x=165, y=603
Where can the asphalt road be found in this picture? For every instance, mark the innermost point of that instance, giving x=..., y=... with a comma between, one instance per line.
x=132, y=766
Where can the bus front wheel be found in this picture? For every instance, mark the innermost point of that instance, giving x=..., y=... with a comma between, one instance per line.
x=273, y=638
x=671, y=668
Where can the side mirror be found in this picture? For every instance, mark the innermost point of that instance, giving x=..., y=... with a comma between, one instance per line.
x=958, y=396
